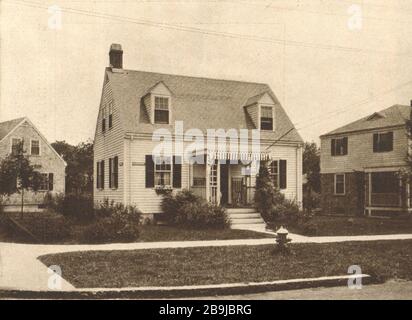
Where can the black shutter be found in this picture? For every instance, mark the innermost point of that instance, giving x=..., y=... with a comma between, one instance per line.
x=333, y=147
x=116, y=172
x=149, y=171
x=345, y=145
x=177, y=171
x=282, y=174
x=390, y=142
x=51, y=176
x=375, y=142
x=102, y=174
x=98, y=175
x=110, y=172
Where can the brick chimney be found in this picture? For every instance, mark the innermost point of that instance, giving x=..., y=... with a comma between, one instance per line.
x=116, y=56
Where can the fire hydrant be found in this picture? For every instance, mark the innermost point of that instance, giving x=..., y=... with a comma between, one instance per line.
x=282, y=239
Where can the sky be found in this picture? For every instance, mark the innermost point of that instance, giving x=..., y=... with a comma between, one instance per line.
x=329, y=62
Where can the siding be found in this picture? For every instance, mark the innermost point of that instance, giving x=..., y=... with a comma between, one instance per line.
x=47, y=162
x=107, y=145
x=360, y=152
x=253, y=111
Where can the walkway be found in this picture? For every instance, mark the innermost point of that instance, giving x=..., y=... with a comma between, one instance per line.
x=20, y=269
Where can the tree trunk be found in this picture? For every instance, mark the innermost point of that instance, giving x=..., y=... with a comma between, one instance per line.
x=22, y=203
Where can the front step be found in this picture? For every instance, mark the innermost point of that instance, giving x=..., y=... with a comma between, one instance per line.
x=246, y=219
x=244, y=215
x=241, y=210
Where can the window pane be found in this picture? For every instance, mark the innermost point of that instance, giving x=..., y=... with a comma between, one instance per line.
x=161, y=103
x=266, y=124
x=35, y=147
x=161, y=116
x=339, y=184
x=266, y=112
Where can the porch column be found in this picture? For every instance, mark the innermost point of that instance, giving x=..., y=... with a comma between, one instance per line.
x=369, y=192
x=207, y=176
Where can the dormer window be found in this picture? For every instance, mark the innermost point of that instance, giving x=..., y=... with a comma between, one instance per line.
x=266, y=118
x=161, y=111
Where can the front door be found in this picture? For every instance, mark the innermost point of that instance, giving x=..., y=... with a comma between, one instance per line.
x=224, y=183
x=237, y=191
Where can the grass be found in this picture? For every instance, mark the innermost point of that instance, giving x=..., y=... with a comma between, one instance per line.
x=351, y=226
x=212, y=265
x=55, y=229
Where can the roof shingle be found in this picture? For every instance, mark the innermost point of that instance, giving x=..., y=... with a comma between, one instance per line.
x=7, y=126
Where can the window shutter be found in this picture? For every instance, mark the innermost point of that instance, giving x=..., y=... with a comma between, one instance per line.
x=102, y=174
x=97, y=175
x=282, y=174
x=375, y=142
x=110, y=172
x=345, y=145
x=149, y=171
x=333, y=147
x=390, y=134
x=116, y=172
x=177, y=171
x=51, y=176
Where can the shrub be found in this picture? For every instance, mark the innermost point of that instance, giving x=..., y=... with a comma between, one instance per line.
x=189, y=210
x=114, y=222
x=71, y=205
x=311, y=200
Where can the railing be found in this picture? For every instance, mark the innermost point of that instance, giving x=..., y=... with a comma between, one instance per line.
x=385, y=199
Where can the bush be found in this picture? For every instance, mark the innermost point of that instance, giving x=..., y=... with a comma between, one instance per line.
x=311, y=200
x=114, y=222
x=189, y=210
x=71, y=205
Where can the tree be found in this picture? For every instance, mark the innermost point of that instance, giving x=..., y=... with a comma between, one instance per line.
x=79, y=170
x=311, y=165
x=17, y=175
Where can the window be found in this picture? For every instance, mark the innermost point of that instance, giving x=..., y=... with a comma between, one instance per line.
x=46, y=183
x=103, y=119
x=163, y=171
x=340, y=184
x=113, y=172
x=15, y=145
x=35, y=148
x=266, y=118
x=161, y=110
x=274, y=173
x=384, y=182
x=110, y=115
x=383, y=142
x=339, y=146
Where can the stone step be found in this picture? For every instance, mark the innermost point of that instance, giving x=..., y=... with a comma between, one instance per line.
x=241, y=210
x=252, y=227
x=248, y=221
x=244, y=215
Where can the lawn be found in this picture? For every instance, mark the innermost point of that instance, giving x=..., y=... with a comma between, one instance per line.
x=212, y=265
x=350, y=226
x=55, y=229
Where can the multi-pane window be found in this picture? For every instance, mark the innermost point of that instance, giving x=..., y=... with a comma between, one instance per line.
x=340, y=184
x=266, y=118
x=35, y=148
x=383, y=142
x=339, y=146
x=15, y=145
x=163, y=171
x=46, y=182
x=274, y=173
x=161, y=110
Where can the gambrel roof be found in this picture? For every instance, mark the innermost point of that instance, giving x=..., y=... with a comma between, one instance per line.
x=393, y=116
x=199, y=102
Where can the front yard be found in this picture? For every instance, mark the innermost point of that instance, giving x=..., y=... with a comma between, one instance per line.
x=322, y=225
x=55, y=229
x=212, y=265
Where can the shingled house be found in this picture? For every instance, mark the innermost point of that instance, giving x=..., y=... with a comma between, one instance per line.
x=360, y=163
x=136, y=103
x=42, y=156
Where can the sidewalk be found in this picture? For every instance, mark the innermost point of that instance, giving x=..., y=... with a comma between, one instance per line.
x=20, y=269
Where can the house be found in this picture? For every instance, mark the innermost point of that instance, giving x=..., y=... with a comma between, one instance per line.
x=360, y=163
x=41, y=155
x=137, y=107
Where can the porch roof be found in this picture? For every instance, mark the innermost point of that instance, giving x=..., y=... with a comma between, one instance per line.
x=234, y=155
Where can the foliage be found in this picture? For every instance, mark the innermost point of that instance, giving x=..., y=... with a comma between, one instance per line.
x=311, y=200
x=270, y=202
x=79, y=206
x=79, y=170
x=18, y=175
x=113, y=222
x=189, y=210
x=311, y=166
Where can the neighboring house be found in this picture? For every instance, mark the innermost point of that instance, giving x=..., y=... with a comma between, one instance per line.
x=42, y=156
x=135, y=103
x=360, y=164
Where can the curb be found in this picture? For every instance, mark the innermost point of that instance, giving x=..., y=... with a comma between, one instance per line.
x=188, y=291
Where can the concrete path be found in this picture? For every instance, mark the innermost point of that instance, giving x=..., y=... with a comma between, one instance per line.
x=20, y=269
